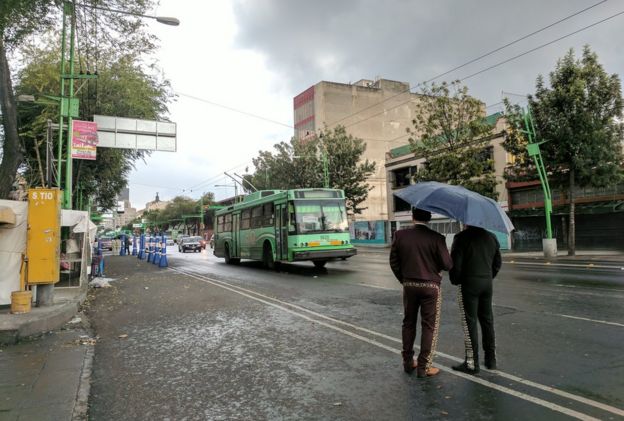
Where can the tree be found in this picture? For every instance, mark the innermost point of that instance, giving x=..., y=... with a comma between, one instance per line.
x=18, y=19
x=579, y=116
x=451, y=133
x=299, y=164
x=114, y=45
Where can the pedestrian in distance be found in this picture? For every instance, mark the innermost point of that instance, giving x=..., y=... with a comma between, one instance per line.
x=127, y=245
x=476, y=262
x=417, y=258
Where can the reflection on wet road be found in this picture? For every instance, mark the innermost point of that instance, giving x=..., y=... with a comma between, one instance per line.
x=325, y=344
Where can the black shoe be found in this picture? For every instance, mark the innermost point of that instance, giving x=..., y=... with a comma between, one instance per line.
x=409, y=366
x=463, y=367
x=490, y=364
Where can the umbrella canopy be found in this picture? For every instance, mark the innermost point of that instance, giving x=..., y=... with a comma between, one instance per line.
x=458, y=203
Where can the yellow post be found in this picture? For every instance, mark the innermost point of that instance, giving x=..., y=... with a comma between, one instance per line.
x=43, y=245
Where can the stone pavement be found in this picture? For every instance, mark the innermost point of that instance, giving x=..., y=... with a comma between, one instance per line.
x=47, y=377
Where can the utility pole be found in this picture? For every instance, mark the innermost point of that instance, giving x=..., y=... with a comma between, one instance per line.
x=69, y=103
x=533, y=150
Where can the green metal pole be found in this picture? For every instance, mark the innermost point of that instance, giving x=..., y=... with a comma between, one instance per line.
x=325, y=171
x=201, y=205
x=59, y=168
x=534, y=152
x=68, y=166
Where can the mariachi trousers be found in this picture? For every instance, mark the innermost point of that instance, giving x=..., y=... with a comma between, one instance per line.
x=426, y=297
x=475, y=304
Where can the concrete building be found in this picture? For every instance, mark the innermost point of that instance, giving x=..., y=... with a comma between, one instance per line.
x=156, y=204
x=401, y=164
x=377, y=112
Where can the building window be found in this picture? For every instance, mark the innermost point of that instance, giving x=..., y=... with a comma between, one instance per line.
x=401, y=205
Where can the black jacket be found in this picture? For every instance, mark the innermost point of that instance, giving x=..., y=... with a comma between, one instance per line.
x=419, y=253
x=476, y=255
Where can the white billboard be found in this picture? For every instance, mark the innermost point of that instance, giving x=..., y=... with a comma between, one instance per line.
x=130, y=133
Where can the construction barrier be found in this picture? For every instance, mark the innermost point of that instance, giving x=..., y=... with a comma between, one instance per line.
x=157, y=246
x=163, y=257
x=150, y=250
x=122, y=250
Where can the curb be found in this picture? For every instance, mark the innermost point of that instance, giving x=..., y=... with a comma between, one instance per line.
x=81, y=406
x=31, y=324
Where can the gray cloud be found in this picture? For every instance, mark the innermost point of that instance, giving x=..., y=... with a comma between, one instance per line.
x=343, y=41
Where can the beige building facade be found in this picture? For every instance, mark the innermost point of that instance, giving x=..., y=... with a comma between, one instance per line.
x=378, y=112
x=401, y=164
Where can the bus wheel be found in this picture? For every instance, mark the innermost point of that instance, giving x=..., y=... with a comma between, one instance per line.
x=228, y=259
x=319, y=264
x=267, y=256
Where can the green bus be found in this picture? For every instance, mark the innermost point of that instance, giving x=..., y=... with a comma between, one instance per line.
x=285, y=226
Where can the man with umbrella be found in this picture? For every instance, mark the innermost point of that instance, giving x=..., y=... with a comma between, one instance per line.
x=476, y=261
x=476, y=257
x=417, y=257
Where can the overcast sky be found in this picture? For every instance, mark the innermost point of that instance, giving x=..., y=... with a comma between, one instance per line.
x=256, y=55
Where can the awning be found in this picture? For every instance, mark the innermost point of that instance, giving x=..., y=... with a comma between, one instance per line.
x=7, y=216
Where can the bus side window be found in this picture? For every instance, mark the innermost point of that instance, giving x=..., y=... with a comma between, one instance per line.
x=227, y=226
x=256, y=217
x=245, y=219
x=268, y=215
x=291, y=218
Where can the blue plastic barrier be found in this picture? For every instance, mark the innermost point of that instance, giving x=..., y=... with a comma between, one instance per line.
x=163, y=258
x=150, y=250
x=156, y=258
x=122, y=250
x=141, y=254
x=134, y=245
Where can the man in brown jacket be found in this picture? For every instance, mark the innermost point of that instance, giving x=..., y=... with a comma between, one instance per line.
x=417, y=258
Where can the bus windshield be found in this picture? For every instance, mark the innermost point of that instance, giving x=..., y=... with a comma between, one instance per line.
x=314, y=216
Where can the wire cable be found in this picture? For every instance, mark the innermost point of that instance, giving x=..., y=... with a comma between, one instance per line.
x=236, y=110
x=492, y=66
x=473, y=60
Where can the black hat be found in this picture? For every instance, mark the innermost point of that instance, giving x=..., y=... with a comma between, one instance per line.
x=421, y=215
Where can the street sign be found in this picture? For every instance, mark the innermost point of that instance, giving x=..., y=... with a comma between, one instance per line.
x=130, y=133
x=139, y=225
x=84, y=140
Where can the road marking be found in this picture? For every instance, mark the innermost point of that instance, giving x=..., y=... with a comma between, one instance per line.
x=589, y=320
x=377, y=286
x=282, y=305
x=570, y=265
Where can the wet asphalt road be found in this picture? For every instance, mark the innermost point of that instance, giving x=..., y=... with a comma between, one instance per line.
x=211, y=341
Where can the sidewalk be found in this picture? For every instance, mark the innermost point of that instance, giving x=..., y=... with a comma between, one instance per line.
x=607, y=256
x=14, y=327
x=47, y=377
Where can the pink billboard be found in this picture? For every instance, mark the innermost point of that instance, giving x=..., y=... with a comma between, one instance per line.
x=84, y=139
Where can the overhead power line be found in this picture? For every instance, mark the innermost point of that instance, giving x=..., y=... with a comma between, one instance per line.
x=472, y=61
x=236, y=110
x=490, y=67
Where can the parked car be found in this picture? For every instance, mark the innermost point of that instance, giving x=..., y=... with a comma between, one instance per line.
x=170, y=241
x=189, y=243
x=106, y=243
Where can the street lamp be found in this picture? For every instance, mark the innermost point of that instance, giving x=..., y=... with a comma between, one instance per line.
x=161, y=19
x=69, y=103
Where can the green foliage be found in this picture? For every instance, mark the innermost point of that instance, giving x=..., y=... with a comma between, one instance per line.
x=299, y=164
x=578, y=117
x=182, y=212
x=124, y=87
x=20, y=18
x=451, y=133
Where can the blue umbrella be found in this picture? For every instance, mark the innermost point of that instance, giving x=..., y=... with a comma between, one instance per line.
x=458, y=203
